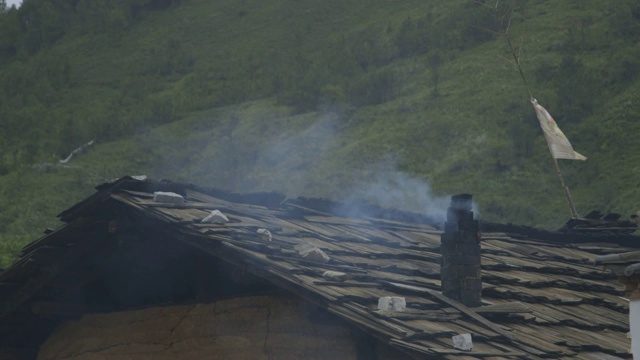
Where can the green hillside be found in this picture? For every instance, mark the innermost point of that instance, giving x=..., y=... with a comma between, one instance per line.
x=400, y=102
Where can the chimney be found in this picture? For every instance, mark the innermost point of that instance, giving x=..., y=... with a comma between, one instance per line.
x=460, y=250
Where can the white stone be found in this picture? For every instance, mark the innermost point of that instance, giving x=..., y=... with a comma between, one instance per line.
x=216, y=217
x=335, y=275
x=392, y=303
x=463, y=342
x=167, y=197
x=312, y=253
x=264, y=234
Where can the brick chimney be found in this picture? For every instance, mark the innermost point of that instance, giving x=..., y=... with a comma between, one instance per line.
x=460, y=250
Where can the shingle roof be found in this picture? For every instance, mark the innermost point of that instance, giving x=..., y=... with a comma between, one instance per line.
x=544, y=298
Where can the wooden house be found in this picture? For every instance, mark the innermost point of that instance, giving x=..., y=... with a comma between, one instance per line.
x=158, y=270
x=627, y=267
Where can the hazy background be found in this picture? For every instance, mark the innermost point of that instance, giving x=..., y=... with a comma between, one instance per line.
x=399, y=103
x=14, y=2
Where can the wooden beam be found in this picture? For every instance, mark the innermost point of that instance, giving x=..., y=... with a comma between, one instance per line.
x=505, y=308
x=202, y=273
x=80, y=250
x=30, y=329
x=53, y=308
x=459, y=306
x=7, y=288
x=472, y=314
x=18, y=354
x=71, y=280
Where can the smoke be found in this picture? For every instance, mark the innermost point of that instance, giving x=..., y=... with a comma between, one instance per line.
x=307, y=163
x=305, y=148
x=397, y=190
x=15, y=3
x=387, y=187
x=305, y=155
x=295, y=162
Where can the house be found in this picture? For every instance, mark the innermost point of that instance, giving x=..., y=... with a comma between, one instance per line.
x=159, y=270
x=627, y=267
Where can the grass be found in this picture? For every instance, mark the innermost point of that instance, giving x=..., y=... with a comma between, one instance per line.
x=219, y=115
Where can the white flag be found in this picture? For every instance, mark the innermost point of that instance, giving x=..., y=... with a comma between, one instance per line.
x=559, y=145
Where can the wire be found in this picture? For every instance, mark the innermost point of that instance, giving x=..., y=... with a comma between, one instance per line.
x=515, y=58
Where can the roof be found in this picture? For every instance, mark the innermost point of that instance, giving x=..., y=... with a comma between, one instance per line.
x=627, y=267
x=544, y=296
x=621, y=263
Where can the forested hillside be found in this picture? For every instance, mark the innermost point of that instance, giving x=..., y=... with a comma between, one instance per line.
x=399, y=102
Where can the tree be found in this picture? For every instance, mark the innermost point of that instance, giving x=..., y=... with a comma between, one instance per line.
x=10, y=33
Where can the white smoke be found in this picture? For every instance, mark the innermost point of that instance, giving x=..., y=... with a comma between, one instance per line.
x=380, y=184
x=11, y=3
x=292, y=161
x=397, y=190
x=390, y=188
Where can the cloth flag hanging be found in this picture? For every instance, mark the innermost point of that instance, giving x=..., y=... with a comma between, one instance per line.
x=559, y=145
